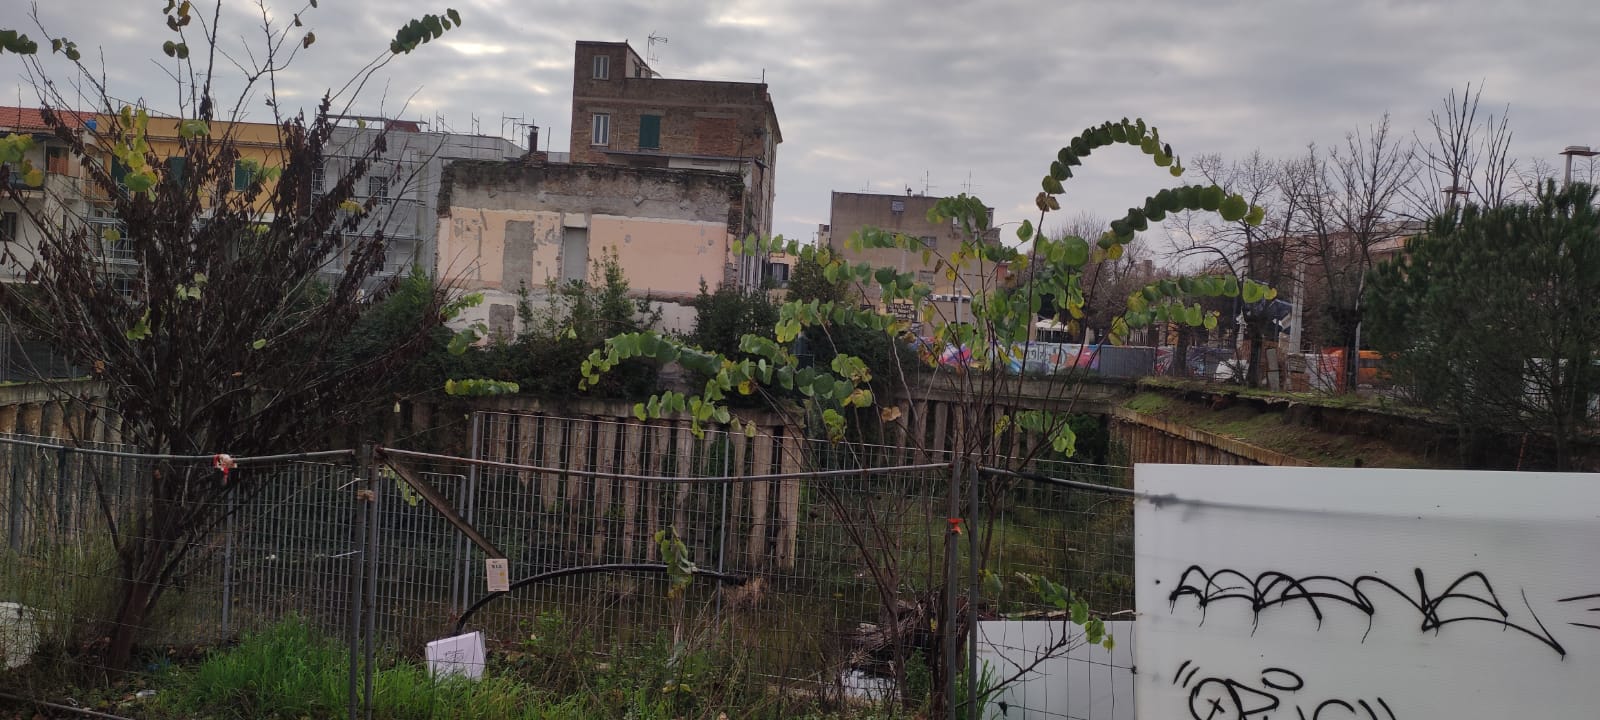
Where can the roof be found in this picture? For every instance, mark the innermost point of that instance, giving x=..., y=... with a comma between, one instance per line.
x=20, y=118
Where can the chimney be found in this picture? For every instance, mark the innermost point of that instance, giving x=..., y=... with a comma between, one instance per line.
x=534, y=156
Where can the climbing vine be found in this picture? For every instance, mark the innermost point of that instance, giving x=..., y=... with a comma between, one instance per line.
x=1002, y=312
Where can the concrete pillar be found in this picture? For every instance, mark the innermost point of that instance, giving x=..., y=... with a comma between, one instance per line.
x=8, y=419
x=28, y=419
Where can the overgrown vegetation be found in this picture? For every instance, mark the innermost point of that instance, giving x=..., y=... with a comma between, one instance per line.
x=216, y=335
x=290, y=671
x=557, y=330
x=986, y=332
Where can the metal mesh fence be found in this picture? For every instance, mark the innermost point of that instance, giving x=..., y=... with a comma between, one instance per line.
x=830, y=559
x=818, y=551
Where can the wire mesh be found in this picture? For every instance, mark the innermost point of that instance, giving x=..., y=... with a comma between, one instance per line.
x=836, y=567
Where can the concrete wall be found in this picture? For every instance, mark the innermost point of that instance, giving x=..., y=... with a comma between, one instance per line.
x=506, y=226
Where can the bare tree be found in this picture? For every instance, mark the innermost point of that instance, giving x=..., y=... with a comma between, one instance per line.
x=1350, y=205
x=1465, y=159
x=1243, y=250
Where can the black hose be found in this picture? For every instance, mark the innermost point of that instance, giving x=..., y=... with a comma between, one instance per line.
x=585, y=570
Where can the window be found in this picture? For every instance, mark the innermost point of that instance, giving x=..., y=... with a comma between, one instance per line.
x=318, y=181
x=778, y=274
x=649, y=132
x=55, y=160
x=602, y=67
x=897, y=206
x=929, y=241
x=244, y=172
x=175, y=166
x=378, y=187
x=8, y=227
x=602, y=129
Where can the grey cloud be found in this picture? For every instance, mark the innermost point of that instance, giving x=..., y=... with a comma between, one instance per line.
x=883, y=92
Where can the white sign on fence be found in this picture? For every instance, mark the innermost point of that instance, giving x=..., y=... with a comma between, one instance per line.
x=1323, y=594
x=1086, y=681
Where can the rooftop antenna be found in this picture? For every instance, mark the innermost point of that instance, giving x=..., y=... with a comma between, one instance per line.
x=475, y=124
x=650, y=46
x=967, y=186
x=926, y=186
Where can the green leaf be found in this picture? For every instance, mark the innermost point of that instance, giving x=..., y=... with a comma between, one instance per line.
x=1230, y=286
x=1211, y=198
x=1233, y=208
x=140, y=329
x=454, y=16
x=462, y=340
x=258, y=344
x=1253, y=291
x=1052, y=185
x=1074, y=251
x=1256, y=216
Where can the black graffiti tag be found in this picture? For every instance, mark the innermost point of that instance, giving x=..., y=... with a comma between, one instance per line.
x=1221, y=698
x=1471, y=598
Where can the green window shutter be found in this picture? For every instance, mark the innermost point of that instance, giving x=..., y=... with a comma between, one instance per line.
x=175, y=166
x=241, y=176
x=649, y=132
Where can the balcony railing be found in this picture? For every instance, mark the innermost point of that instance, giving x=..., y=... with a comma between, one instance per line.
x=115, y=244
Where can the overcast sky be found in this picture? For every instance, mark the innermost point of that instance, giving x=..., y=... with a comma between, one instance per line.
x=889, y=95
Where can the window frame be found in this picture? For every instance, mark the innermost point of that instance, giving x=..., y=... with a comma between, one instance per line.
x=600, y=129
x=601, y=67
x=383, y=197
x=642, y=119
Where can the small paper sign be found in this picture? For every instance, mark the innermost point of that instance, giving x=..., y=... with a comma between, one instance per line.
x=499, y=574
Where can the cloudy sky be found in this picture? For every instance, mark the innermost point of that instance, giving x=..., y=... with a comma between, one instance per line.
x=888, y=95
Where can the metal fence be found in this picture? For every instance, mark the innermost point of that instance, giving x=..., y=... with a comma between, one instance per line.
x=814, y=550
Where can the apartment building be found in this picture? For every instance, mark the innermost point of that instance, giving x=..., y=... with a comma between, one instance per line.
x=625, y=113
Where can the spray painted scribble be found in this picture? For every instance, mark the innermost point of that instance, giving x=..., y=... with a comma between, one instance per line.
x=1594, y=598
x=1224, y=698
x=1471, y=598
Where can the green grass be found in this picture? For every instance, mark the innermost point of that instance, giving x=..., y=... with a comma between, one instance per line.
x=288, y=672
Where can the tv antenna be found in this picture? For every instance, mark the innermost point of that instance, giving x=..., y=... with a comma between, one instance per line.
x=650, y=46
x=967, y=186
x=927, y=187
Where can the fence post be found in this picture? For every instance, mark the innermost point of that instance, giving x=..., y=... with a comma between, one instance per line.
x=227, y=564
x=947, y=620
x=459, y=572
x=357, y=540
x=368, y=601
x=972, y=523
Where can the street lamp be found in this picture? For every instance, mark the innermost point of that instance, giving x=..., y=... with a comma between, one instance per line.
x=1578, y=150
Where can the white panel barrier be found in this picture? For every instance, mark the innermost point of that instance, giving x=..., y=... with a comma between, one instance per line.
x=1079, y=682
x=1323, y=594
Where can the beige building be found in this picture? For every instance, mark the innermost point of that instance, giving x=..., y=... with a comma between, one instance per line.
x=525, y=225
x=663, y=173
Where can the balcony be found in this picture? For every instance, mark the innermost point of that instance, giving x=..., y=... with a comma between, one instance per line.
x=119, y=250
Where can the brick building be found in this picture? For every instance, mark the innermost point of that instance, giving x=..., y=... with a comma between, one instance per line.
x=624, y=113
